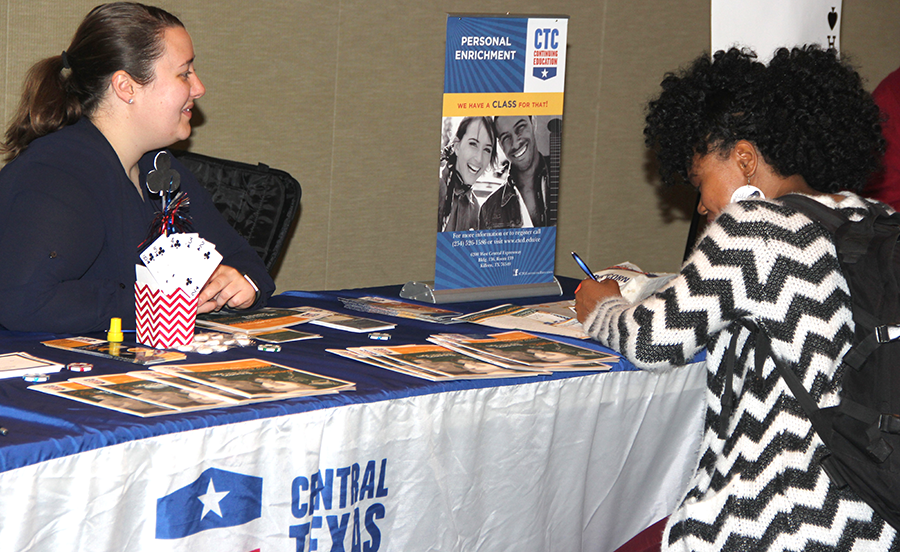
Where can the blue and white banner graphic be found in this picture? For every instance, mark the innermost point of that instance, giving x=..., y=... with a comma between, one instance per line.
x=500, y=151
x=201, y=506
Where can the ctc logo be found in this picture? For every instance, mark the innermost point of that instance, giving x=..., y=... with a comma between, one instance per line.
x=546, y=39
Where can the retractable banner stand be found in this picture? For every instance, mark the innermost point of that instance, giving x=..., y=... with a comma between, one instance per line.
x=498, y=177
x=765, y=25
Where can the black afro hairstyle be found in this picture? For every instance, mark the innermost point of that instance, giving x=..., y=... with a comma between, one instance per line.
x=806, y=112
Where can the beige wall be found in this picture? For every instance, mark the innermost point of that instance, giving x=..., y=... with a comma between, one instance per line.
x=346, y=96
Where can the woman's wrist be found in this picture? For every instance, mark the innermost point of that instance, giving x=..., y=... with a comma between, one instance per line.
x=254, y=286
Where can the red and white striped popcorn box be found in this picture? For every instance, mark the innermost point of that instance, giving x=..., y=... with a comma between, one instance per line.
x=164, y=320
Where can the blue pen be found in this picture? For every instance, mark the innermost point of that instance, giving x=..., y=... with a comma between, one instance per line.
x=587, y=270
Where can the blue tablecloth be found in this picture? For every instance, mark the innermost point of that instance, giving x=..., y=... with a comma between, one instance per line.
x=41, y=427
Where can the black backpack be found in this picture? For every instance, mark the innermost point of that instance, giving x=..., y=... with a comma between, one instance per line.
x=862, y=434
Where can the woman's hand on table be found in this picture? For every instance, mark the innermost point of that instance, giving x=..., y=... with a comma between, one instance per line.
x=590, y=292
x=226, y=288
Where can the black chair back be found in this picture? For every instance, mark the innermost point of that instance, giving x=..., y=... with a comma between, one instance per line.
x=259, y=202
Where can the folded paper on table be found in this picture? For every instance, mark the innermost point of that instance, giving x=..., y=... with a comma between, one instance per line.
x=164, y=320
x=634, y=284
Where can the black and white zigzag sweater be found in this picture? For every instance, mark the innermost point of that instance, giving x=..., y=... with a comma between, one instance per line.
x=761, y=487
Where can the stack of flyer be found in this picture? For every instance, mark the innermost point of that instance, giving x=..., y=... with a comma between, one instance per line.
x=14, y=365
x=508, y=354
x=350, y=323
x=266, y=324
x=431, y=362
x=517, y=348
x=127, y=352
x=271, y=320
x=188, y=387
x=556, y=318
x=259, y=321
x=400, y=309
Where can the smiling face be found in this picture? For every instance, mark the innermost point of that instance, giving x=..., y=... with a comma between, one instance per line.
x=473, y=152
x=516, y=137
x=164, y=104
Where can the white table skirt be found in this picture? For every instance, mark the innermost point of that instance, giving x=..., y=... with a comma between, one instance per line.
x=581, y=463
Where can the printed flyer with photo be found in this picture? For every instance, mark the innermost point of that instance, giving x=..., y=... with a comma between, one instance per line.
x=253, y=378
x=103, y=398
x=153, y=392
x=518, y=348
x=443, y=363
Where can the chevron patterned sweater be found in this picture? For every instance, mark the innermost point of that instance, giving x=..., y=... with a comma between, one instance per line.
x=762, y=486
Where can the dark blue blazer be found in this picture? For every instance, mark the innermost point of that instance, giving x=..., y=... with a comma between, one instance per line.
x=70, y=225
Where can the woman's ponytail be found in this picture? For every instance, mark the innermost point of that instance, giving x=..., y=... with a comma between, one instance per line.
x=46, y=106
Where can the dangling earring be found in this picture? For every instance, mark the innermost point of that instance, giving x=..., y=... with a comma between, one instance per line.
x=746, y=192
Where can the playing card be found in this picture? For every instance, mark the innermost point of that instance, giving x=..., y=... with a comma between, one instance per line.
x=183, y=261
x=155, y=252
x=200, y=263
x=765, y=25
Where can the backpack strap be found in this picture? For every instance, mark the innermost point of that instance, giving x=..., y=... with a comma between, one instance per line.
x=851, y=241
x=763, y=349
x=727, y=404
x=861, y=351
x=830, y=218
x=850, y=245
x=876, y=422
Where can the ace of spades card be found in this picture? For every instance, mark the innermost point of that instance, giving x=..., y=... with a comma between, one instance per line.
x=765, y=25
x=183, y=261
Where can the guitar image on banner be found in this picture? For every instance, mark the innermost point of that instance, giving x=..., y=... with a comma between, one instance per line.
x=555, y=128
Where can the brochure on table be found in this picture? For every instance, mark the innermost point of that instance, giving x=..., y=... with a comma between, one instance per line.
x=507, y=72
x=507, y=354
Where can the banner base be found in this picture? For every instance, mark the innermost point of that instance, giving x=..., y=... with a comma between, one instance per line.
x=425, y=292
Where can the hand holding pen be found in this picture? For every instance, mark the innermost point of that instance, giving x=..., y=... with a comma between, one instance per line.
x=593, y=293
x=583, y=265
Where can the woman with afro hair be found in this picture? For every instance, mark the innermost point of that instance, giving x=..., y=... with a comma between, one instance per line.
x=745, y=134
